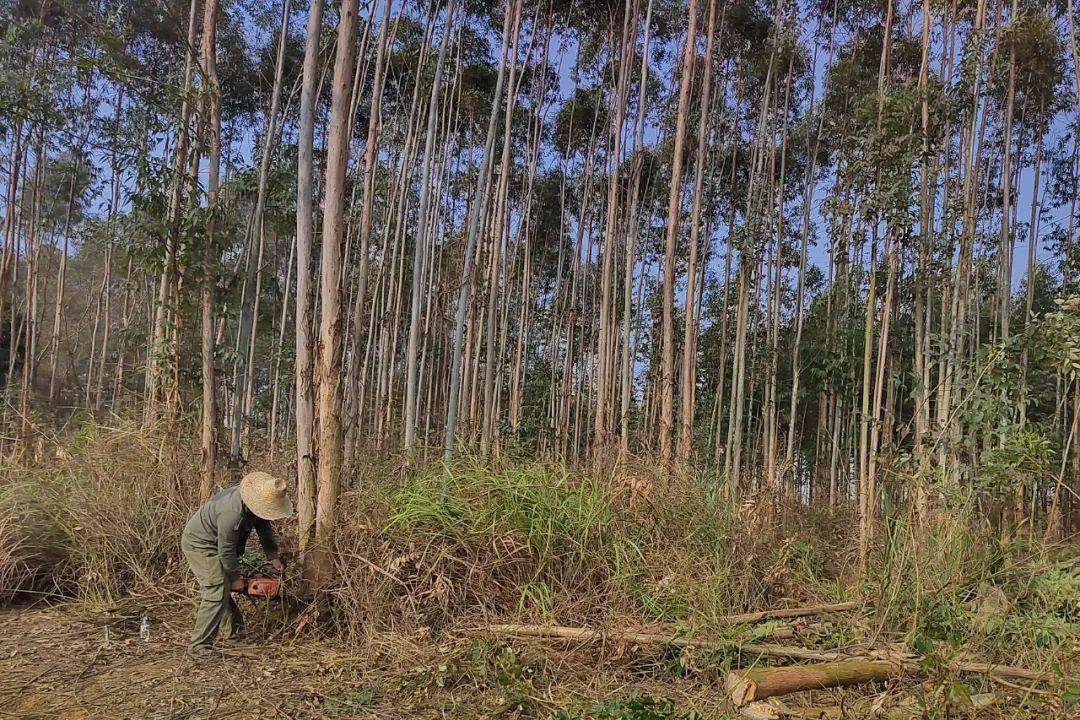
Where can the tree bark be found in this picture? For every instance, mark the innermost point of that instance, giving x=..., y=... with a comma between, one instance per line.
x=211, y=101
x=667, y=353
x=329, y=363
x=305, y=233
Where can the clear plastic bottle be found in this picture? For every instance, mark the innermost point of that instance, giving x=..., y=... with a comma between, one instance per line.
x=144, y=629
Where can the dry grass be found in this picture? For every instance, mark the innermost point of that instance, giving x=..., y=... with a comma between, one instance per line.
x=424, y=560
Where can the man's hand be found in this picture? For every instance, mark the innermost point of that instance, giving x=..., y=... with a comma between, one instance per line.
x=237, y=585
x=278, y=564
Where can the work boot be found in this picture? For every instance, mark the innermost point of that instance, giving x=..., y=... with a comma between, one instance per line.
x=203, y=653
x=236, y=639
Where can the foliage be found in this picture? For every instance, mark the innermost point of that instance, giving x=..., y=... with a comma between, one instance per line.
x=636, y=707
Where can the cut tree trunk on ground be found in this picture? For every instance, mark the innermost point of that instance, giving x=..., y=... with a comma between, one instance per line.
x=746, y=686
x=1004, y=673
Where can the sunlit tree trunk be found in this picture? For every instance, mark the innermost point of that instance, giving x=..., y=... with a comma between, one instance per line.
x=330, y=338
x=667, y=358
x=305, y=232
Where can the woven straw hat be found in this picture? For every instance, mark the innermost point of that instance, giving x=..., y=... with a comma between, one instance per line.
x=265, y=496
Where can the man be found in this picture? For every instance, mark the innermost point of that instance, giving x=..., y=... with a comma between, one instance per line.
x=212, y=542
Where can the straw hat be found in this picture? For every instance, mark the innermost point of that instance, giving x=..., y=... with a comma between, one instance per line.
x=265, y=496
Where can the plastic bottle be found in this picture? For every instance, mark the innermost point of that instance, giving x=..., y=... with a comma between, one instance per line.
x=144, y=629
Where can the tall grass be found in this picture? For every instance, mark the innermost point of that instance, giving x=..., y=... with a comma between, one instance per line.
x=550, y=543
x=949, y=582
x=96, y=521
x=456, y=546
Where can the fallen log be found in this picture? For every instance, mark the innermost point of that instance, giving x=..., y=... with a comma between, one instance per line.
x=559, y=632
x=747, y=686
x=997, y=672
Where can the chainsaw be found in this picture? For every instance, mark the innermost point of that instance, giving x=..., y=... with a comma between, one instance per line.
x=261, y=586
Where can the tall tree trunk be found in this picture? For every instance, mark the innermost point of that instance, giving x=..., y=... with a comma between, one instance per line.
x=690, y=325
x=867, y=451
x=809, y=184
x=667, y=358
x=162, y=368
x=329, y=364
x=58, y=303
x=632, y=221
x=211, y=100
x=276, y=392
x=605, y=386
x=245, y=356
x=305, y=233
x=371, y=147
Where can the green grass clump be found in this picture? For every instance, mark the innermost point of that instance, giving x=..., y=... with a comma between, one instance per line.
x=560, y=517
x=635, y=707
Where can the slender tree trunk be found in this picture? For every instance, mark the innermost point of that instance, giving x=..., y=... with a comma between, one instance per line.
x=690, y=326
x=605, y=386
x=243, y=374
x=280, y=350
x=627, y=375
x=305, y=233
x=211, y=101
x=371, y=147
x=58, y=304
x=667, y=367
x=162, y=369
x=329, y=364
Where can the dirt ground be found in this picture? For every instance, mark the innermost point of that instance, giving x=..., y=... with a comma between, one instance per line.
x=69, y=663
x=54, y=664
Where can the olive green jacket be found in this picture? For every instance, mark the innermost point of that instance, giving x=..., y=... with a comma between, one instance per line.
x=222, y=525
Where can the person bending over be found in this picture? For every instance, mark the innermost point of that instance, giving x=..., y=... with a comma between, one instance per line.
x=213, y=540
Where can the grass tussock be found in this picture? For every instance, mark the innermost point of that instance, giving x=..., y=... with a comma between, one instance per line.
x=461, y=545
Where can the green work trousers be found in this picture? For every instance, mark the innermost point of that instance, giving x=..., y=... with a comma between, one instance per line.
x=217, y=609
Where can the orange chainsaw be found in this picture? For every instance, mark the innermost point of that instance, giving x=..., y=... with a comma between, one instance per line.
x=261, y=586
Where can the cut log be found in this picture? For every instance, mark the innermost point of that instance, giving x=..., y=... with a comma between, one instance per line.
x=746, y=686
x=910, y=662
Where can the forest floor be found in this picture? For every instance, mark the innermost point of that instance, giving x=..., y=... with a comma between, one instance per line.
x=71, y=663
x=428, y=563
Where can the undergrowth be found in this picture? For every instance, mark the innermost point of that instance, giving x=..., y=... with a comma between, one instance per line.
x=636, y=707
x=459, y=546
